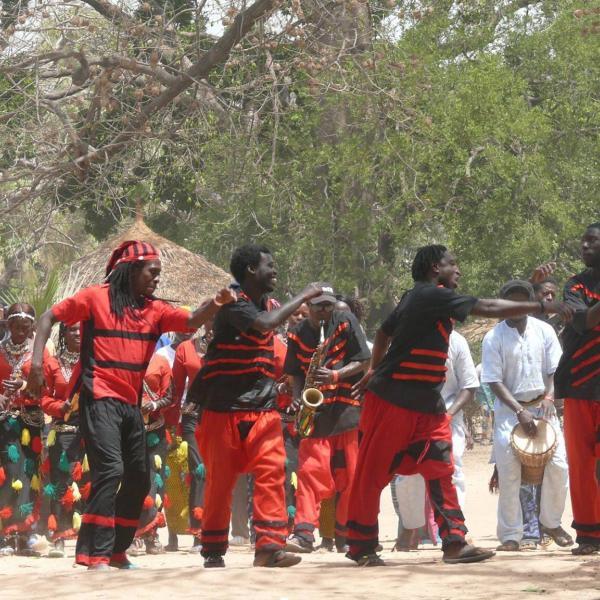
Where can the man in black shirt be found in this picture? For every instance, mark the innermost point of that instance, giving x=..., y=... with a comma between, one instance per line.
x=404, y=427
x=240, y=429
x=577, y=380
x=327, y=457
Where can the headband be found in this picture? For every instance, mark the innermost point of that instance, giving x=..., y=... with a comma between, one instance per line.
x=20, y=315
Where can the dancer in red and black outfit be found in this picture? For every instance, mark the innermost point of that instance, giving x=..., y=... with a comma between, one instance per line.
x=327, y=459
x=240, y=429
x=121, y=322
x=69, y=483
x=21, y=420
x=404, y=428
x=577, y=380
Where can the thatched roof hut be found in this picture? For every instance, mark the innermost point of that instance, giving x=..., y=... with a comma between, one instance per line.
x=186, y=277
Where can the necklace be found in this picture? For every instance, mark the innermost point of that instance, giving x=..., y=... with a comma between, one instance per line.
x=67, y=361
x=16, y=350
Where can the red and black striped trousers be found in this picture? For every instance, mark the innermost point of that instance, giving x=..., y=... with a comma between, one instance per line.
x=395, y=440
x=243, y=442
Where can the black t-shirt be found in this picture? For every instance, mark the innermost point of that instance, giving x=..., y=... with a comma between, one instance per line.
x=238, y=371
x=345, y=343
x=413, y=371
x=578, y=373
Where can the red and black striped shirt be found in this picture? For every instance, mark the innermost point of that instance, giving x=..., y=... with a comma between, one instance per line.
x=345, y=343
x=115, y=352
x=578, y=373
x=413, y=371
x=238, y=370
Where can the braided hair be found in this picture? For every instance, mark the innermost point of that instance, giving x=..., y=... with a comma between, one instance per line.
x=120, y=290
x=426, y=257
x=62, y=340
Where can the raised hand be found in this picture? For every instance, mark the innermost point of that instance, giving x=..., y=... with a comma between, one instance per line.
x=542, y=272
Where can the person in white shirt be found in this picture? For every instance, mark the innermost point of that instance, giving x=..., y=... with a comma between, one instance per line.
x=519, y=358
x=459, y=389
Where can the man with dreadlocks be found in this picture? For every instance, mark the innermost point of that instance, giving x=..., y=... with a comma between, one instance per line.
x=121, y=322
x=404, y=426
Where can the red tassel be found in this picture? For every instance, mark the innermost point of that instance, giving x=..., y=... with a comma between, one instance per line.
x=77, y=471
x=188, y=479
x=168, y=437
x=52, y=524
x=6, y=513
x=160, y=520
x=67, y=500
x=85, y=490
x=148, y=503
x=36, y=444
x=45, y=467
x=2, y=476
x=198, y=512
x=166, y=501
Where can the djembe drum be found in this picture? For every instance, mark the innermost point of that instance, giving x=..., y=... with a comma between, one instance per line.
x=534, y=453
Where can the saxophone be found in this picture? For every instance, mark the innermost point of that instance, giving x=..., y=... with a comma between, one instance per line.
x=312, y=397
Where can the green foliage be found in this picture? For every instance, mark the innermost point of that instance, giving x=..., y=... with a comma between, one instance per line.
x=41, y=295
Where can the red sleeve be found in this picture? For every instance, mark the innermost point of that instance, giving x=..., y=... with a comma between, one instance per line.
x=165, y=378
x=51, y=405
x=173, y=319
x=179, y=374
x=74, y=309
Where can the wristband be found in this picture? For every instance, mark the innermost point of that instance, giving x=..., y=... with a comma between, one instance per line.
x=521, y=410
x=216, y=302
x=336, y=376
x=542, y=303
x=23, y=386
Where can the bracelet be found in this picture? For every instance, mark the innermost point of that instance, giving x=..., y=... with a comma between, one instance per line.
x=521, y=410
x=216, y=302
x=23, y=386
x=336, y=376
x=542, y=303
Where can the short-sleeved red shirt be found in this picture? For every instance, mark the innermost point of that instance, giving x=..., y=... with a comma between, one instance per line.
x=115, y=353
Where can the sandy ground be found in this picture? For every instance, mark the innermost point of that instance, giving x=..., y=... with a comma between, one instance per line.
x=553, y=574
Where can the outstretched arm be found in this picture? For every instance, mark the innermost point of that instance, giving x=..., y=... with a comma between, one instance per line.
x=35, y=381
x=505, y=309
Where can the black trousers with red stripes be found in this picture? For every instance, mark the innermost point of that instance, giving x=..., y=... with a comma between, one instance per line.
x=115, y=441
x=397, y=440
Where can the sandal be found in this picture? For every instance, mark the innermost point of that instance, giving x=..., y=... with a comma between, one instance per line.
x=585, y=549
x=509, y=546
x=559, y=535
x=469, y=554
x=528, y=545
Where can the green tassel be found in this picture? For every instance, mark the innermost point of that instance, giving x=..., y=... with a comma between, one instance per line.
x=26, y=509
x=152, y=440
x=287, y=463
x=14, y=425
x=291, y=511
x=50, y=491
x=30, y=466
x=13, y=453
x=63, y=463
x=167, y=472
x=158, y=481
x=201, y=471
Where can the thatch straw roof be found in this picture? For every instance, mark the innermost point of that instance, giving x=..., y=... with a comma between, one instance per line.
x=186, y=277
x=475, y=329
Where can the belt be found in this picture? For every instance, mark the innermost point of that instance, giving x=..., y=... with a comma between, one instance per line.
x=533, y=403
x=33, y=418
x=11, y=412
x=64, y=428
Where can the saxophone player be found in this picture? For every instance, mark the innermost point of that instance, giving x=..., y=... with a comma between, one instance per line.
x=327, y=456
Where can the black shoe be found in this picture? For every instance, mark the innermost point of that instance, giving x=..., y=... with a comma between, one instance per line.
x=370, y=560
x=299, y=545
x=340, y=545
x=214, y=561
x=326, y=544
x=276, y=559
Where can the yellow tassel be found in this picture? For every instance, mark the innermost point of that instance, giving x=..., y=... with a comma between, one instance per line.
x=157, y=462
x=17, y=485
x=158, y=501
x=51, y=438
x=35, y=484
x=294, y=480
x=25, y=437
x=76, y=492
x=76, y=521
x=182, y=451
x=185, y=513
x=85, y=465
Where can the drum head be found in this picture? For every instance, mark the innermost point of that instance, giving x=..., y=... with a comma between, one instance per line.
x=543, y=441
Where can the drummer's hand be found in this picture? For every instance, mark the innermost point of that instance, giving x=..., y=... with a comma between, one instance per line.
x=66, y=407
x=527, y=421
x=548, y=408
x=148, y=407
x=324, y=376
